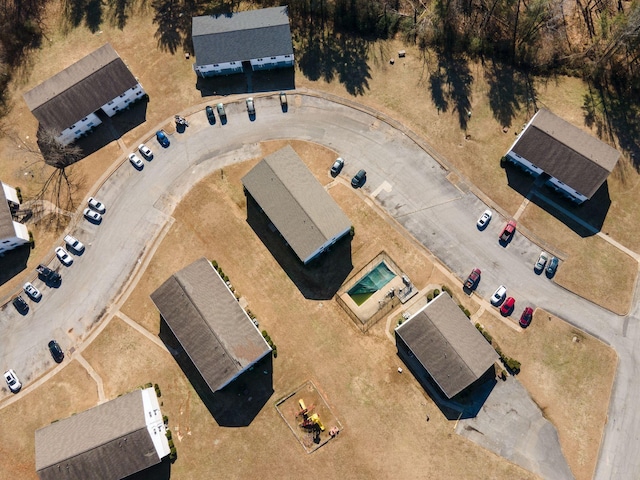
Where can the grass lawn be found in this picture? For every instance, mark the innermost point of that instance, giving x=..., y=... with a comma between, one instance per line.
x=569, y=374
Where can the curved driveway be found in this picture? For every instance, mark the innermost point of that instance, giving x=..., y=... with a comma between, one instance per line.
x=409, y=184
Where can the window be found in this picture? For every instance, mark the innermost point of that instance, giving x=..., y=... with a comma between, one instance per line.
x=6, y=241
x=139, y=93
x=216, y=65
x=77, y=132
x=90, y=124
x=110, y=103
x=233, y=63
x=84, y=119
x=72, y=126
x=273, y=58
x=287, y=56
x=121, y=96
x=259, y=59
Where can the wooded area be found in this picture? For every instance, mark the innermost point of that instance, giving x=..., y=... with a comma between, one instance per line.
x=594, y=39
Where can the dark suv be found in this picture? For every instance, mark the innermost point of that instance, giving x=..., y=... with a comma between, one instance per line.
x=20, y=305
x=358, y=180
x=210, y=115
x=56, y=351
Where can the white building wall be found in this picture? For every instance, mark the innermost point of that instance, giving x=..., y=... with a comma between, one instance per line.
x=123, y=100
x=21, y=237
x=155, y=423
x=272, y=62
x=224, y=68
x=10, y=193
x=524, y=163
x=78, y=129
x=566, y=190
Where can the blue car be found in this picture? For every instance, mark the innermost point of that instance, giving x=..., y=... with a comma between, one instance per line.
x=162, y=138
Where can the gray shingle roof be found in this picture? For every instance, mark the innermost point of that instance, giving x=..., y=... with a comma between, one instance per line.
x=297, y=204
x=205, y=317
x=6, y=220
x=110, y=441
x=80, y=89
x=447, y=345
x=241, y=36
x=567, y=153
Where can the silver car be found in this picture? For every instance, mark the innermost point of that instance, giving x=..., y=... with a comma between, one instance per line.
x=136, y=161
x=32, y=291
x=91, y=215
x=96, y=205
x=64, y=256
x=74, y=244
x=542, y=262
x=498, y=296
x=145, y=151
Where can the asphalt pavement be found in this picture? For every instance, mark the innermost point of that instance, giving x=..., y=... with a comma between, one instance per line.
x=416, y=193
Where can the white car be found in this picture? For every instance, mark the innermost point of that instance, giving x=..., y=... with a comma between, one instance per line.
x=484, y=219
x=12, y=381
x=99, y=207
x=136, y=161
x=64, y=256
x=91, y=215
x=32, y=291
x=498, y=296
x=74, y=244
x=542, y=262
x=145, y=151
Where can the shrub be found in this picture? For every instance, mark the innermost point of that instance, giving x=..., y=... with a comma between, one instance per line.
x=170, y=441
x=19, y=194
x=264, y=333
x=352, y=231
x=157, y=388
x=275, y=352
x=148, y=385
x=215, y=264
x=165, y=419
x=225, y=278
x=447, y=289
x=173, y=456
x=429, y=296
x=31, y=240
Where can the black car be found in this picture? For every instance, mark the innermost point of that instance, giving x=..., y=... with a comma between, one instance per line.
x=552, y=267
x=20, y=305
x=210, y=115
x=56, y=351
x=358, y=180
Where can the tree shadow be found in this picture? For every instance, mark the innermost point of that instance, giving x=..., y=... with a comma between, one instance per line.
x=173, y=18
x=451, y=85
x=615, y=112
x=88, y=11
x=118, y=12
x=509, y=90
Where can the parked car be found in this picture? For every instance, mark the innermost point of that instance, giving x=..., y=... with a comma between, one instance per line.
x=21, y=305
x=541, y=262
x=251, y=108
x=136, y=161
x=473, y=279
x=145, y=151
x=507, y=306
x=96, y=205
x=56, y=351
x=498, y=295
x=91, y=215
x=283, y=100
x=525, y=318
x=74, y=244
x=64, y=256
x=49, y=276
x=508, y=231
x=221, y=111
x=162, y=138
x=32, y=291
x=484, y=219
x=336, y=168
x=552, y=267
x=210, y=115
x=359, y=179
x=12, y=381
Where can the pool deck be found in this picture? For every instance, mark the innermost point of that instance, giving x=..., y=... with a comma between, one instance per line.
x=365, y=311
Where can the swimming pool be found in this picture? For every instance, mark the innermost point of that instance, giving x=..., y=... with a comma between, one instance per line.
x=371, y=283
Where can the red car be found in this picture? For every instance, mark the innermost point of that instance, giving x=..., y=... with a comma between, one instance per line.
x=507, y=306
x=525, y=318
x=508, y=231
x=473, y=279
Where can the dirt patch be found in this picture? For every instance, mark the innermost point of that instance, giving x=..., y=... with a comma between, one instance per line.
x=569, y=374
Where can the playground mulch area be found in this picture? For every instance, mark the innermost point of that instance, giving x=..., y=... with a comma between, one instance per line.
x=309, y=417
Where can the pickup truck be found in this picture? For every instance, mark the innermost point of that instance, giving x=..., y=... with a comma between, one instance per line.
x=48, y=275
x=473, y=279
x=508, y=231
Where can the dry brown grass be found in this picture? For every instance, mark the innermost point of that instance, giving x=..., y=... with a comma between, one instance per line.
x=582, y=271
x=70, y=391
x=569, y=380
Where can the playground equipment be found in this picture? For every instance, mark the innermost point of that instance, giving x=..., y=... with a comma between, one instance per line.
x=181, y=121
x=309, y=421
